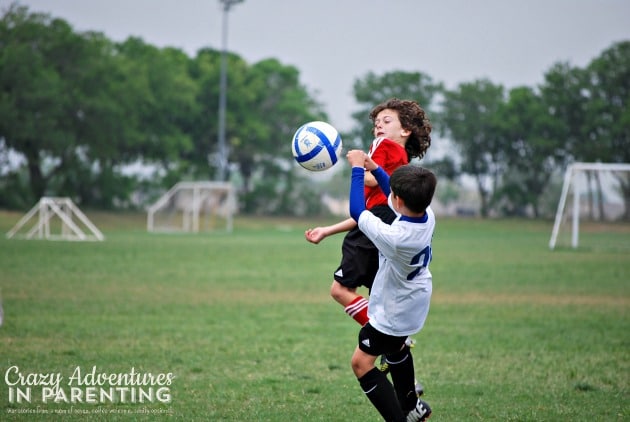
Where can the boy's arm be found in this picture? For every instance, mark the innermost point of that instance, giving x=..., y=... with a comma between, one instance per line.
x=379, y=174
x=369, y=180
x=357, y=197
x=318, y=234
x=383, y=180
x=357, y=160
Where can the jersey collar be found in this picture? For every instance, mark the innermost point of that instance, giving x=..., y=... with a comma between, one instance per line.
x=422, y=219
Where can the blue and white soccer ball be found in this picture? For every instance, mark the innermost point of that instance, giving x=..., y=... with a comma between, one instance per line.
x=316, y=146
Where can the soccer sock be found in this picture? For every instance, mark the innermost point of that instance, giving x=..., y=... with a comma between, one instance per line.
x=381, y=393
x=402, y=372
x=357, y=309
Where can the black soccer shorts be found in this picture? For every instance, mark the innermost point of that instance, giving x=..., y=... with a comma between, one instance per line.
x=359, y=256
x=375, y=343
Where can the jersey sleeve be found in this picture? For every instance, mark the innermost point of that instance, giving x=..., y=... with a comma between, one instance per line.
x=382, y=178
x=357, y=201
x=378, y=232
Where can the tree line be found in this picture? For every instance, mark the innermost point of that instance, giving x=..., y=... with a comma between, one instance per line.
x=79, y=112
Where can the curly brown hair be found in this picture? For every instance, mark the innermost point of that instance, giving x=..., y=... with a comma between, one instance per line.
x=413, y=118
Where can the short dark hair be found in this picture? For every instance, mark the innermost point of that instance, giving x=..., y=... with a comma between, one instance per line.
x=412, y=118
x=415, y=185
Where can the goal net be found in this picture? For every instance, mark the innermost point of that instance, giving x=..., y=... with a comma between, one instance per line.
x=592, y=199
x=55, y=219
x=193, y=207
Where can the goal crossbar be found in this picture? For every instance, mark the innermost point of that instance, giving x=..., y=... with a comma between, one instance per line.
x=570, y=173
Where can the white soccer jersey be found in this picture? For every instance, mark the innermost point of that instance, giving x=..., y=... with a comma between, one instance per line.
x=401, y=293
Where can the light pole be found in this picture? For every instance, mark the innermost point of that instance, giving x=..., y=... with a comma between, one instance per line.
x=222, y=158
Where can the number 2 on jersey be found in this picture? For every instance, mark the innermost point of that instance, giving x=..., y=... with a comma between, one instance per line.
x=423, y=256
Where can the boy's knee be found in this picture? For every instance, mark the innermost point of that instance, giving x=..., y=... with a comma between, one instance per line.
x=358, y=366
x=342, y=294
x=337, y=290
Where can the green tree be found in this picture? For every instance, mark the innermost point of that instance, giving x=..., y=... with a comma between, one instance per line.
x=202, y=160
x=470, y=117
x=592, y=106
x=276, y=105
x=564, y=95
x=565, y=92
x=78, y=108
x=161, y=103
x=265, y=105
x=531, y=151
x=608, y=117
x=33, y=97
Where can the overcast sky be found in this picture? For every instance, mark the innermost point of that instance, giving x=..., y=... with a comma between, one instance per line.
x=334, y=42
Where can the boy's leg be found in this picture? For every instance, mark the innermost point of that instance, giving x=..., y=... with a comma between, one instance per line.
x=354, y=305
x=359, y=264
x=402, y=373
x=377, y=387
x=357, y=309
x=381, y=394
x=384, y=366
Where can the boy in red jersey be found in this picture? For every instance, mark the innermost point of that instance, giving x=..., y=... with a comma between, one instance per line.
x=403, y=132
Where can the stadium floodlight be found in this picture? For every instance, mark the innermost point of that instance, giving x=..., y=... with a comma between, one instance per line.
x=222, y=156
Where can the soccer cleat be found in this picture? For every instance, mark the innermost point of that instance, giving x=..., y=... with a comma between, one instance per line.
x=421, y=412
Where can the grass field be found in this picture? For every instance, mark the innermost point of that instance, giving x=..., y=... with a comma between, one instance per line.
x=246, y=327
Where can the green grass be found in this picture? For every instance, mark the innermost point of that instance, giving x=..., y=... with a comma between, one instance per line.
x=245, y=324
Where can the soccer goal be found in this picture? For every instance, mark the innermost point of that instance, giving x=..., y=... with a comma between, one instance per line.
x=578, y=179
x=55, y=219
x=193, y=207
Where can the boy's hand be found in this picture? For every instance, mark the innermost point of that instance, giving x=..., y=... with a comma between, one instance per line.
x=359, y=158
x=315, y=235
x=356, y=158
x=370, y=164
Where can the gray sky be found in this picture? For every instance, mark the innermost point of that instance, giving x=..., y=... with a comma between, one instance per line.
x=333, y=42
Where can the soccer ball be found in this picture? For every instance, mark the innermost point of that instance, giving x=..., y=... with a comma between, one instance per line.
x=316, y=146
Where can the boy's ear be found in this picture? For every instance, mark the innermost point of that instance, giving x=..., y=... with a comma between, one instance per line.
x=405, y=132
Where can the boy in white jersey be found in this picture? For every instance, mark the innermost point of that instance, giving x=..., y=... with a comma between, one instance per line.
x=401, y=293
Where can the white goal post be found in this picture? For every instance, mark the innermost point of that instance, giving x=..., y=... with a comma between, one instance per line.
x=74, y=225
x=570, y=181
x=192, y=207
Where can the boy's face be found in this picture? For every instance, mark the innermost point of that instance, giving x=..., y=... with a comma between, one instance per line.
x=387, y=125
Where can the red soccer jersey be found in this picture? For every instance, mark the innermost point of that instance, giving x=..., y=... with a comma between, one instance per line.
x=389, y=155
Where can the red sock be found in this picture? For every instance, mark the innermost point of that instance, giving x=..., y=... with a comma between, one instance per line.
x=357, y=309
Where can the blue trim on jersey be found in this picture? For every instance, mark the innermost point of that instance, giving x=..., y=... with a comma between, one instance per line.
x=422, y=219
x=357, y=194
